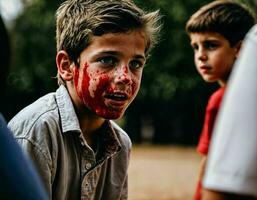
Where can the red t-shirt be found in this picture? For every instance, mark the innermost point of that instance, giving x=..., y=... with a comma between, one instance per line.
x=205, y=137
x=210, y=116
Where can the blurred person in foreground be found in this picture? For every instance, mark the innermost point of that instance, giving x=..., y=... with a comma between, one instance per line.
x=232, y=165
x=18, y=177
x=216, y=32
x=102, y=47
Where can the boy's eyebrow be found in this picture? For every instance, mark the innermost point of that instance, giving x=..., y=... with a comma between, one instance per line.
x=211, y=40
x=115, y=53
x=206, y=40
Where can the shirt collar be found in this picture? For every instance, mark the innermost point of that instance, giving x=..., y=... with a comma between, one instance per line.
x=110, y=138
x=69, y=120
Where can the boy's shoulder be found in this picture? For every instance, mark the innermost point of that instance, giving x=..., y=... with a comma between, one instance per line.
x=27, y=117
x=218, y=94
x=55, y=108
x=216, y=98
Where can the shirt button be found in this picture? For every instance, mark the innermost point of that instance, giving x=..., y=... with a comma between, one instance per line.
x=88, y=165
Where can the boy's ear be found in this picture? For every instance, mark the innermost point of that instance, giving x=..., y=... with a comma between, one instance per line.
x=64, y=65
x=238, y=47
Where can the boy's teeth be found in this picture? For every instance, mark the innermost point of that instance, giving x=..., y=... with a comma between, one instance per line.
x=118, y=95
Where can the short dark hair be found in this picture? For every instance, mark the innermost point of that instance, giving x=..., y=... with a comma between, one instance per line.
x=230, y=19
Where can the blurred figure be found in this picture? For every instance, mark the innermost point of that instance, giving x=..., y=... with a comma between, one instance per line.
x=18, y=178
x=216, y=32
x=232, y=166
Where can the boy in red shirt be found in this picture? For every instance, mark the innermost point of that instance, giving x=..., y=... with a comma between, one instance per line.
x=216, y=32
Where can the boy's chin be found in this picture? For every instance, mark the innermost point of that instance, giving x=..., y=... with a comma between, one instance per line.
x=111, y=114
x=210, y=80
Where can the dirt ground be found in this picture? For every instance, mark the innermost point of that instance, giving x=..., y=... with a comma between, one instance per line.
x=162, y=172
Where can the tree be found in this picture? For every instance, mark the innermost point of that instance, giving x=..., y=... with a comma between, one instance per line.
x=173, y=96
x=33, y=43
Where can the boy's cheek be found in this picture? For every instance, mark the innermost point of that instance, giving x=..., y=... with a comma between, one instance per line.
x=136, y=86
x=81, y=81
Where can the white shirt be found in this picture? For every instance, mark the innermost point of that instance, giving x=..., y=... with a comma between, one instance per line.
x=232, y=165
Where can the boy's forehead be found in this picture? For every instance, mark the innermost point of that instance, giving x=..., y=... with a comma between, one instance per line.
x=207, y=35
x=118, y=37
x=115, y=42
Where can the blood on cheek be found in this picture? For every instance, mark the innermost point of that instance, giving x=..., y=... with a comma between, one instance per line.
x=135, y=87
x=122, y=73
x=128, y=78
x=90, y=87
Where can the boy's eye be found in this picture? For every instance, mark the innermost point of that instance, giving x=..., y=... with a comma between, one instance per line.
x=108, y=61
x=210, y=45
x=194, y=47
x=135, y=64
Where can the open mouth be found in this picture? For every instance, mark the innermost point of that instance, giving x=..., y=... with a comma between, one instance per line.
x=116, y=97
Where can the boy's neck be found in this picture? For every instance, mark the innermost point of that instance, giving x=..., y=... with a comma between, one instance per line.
x=89, y=125
x=222, y=83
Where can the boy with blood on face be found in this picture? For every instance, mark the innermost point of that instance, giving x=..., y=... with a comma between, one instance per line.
x=79, y=151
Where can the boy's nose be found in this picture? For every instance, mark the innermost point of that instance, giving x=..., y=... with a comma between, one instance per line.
x=201, y=55
x=123, y=75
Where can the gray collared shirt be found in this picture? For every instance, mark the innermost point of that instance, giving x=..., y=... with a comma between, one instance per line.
x=48, y=131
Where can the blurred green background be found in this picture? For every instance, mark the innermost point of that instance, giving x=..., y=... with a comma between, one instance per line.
x=169, y=108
